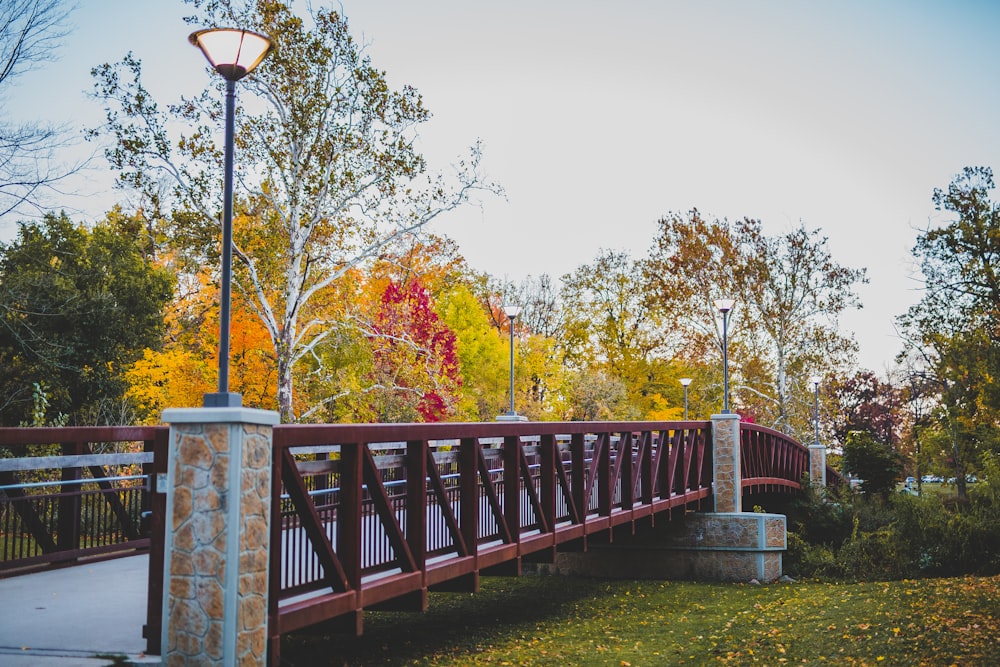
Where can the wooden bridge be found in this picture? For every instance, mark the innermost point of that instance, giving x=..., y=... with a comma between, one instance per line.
x=375, y=516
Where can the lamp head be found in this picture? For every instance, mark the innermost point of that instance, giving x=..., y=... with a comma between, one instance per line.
x=724, y=305
x=685, y=381
x=815, y=380
x=232, y=52
x=512, y=310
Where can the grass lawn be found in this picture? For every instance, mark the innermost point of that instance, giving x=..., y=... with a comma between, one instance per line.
x=538, y=620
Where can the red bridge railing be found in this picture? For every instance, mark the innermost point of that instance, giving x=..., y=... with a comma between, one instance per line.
x=382, y=513
x=75, y=492
x=771, y=461
x=367, y=516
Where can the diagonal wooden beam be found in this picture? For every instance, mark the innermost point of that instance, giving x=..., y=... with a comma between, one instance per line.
x=312, y=524
x=21, y=504
x=441, y=496
x=575, y=513
x=529, y=486
x=491, y=496
x=383, y=507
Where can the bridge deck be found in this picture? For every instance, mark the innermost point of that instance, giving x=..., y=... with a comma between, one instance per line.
x=63, y=617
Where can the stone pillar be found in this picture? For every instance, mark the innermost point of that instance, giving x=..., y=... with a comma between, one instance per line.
x=726, y=473
x=817, y=465
x=216, y=542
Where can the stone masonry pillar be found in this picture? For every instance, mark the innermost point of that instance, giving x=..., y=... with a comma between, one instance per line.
x=726, y=472
x=817, y=465
x=216, y=544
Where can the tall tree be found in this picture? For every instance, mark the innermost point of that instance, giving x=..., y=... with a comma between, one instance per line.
x=77, y=307
x=789, y=293
x=329, y=174
x=611, y=322
x=953, y=330
x=30, y=31
x=865, y=403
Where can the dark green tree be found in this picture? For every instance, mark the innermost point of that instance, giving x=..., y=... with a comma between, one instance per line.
x=76, y=308
x=876, y=463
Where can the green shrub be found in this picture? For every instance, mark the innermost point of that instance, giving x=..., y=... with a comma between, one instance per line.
x=863, y=537
x=803, y=559
x=874, y=555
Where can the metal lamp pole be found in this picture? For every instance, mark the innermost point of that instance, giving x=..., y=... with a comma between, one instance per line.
x=815, y=379
x=511, y=311
x=725, y=306
x=233, y=53
x=685, y=382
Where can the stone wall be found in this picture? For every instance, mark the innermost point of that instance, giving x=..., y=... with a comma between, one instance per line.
x=700, y=547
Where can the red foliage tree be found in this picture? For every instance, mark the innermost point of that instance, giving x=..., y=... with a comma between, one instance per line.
x=415, y=364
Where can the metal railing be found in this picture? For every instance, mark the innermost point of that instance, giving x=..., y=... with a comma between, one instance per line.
x=72, y=493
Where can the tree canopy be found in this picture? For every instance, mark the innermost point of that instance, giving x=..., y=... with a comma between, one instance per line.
x=328, y=170
x=77, y=308
x=951, y=335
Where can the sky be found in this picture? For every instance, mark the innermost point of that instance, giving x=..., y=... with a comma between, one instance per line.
x=599, y=118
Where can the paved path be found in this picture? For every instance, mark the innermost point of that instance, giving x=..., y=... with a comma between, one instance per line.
x=66, y=617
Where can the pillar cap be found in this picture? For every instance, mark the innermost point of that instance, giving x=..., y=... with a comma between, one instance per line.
x=239, y=415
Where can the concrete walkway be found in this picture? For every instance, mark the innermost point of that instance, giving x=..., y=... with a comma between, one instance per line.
x=69, y=616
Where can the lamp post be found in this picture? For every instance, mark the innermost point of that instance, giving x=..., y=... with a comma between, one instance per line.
x=233, y=53
x=724, y=306
x=511, y=311
x=815, y=380
x=685, y=382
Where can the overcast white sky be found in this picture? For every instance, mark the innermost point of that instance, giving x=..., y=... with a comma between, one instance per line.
x=598, y=117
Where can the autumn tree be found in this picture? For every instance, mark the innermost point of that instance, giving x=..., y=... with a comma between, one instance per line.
x=328, y=172
x=411, y=372
x=952, y=332
x=612, y=325
x=77, y=307
x=482, y=354
x=863, y=402
x=789, y=292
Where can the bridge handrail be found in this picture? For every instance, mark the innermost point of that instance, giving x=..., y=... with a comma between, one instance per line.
x=766, y=450
x=74, y=502
x=570, y=479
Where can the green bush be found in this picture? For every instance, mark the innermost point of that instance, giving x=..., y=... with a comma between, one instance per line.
x=874, y=555
x=804, y=559
x=863, y=537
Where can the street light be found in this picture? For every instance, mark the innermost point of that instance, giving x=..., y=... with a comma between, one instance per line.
x=233, y=53
x=685, y=382
x=815, y=380
x=511, y=311
x=724, y=306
